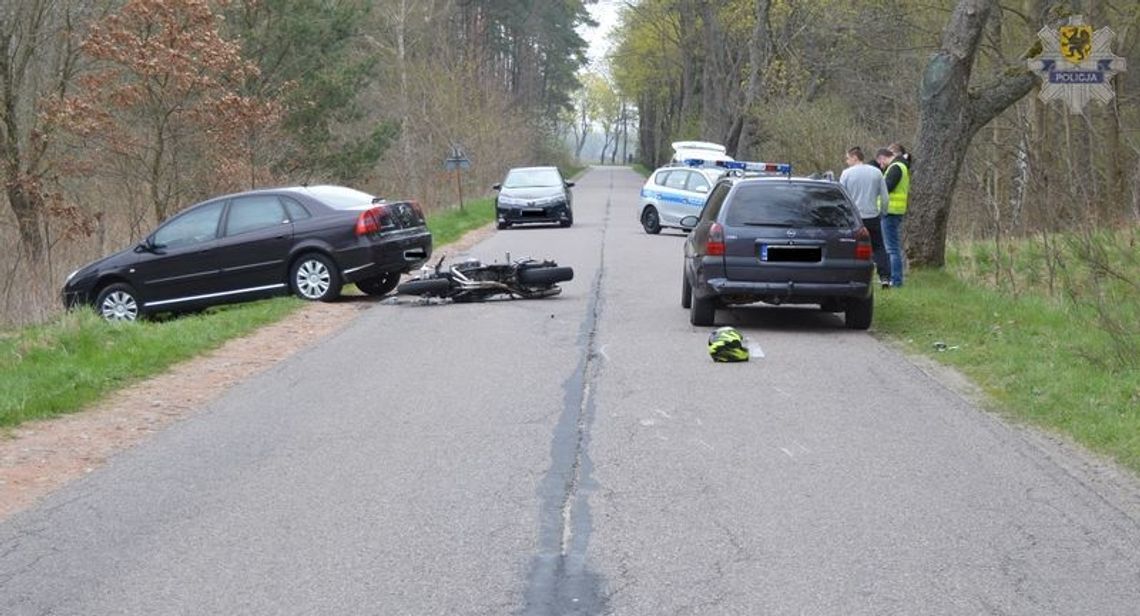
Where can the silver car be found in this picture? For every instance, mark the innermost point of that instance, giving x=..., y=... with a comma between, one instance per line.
x=674, y=192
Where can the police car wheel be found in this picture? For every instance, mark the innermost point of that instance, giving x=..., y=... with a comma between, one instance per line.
x=651, y=221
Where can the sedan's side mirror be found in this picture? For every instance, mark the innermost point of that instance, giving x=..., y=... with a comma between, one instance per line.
x=569, y=184
x=496, y=187
x=689, y=223
x=147, y=245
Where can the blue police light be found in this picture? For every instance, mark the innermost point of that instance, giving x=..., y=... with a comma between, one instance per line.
x=740, y=165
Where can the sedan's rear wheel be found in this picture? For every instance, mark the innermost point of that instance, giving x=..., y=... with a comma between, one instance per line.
x=651, y=221
x=859, y=312
x=314, y=277
x=703, y=311
x=379, y=285
x=118, y=302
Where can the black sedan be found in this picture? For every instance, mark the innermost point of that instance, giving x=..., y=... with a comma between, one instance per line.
x=534, y=195
x=308, y=240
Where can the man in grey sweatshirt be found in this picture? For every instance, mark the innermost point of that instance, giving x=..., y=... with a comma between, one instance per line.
x=865, y=185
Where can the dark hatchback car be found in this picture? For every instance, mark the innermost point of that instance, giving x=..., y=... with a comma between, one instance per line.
x=306, y=240
x=778, y=241
x=534, y=195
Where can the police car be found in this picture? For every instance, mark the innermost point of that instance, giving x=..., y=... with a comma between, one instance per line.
x=680, y=188
x=674, y=192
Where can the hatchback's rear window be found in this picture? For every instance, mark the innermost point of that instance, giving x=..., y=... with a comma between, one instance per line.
x=785, y=204
x=340, y=197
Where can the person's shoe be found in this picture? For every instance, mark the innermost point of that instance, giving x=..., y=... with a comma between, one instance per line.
x=885, y=283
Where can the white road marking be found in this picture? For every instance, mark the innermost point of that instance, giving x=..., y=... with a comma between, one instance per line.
x=662, y=413
x=787, y=452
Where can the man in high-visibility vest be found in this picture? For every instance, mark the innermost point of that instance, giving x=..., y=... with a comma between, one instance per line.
x=896, y=172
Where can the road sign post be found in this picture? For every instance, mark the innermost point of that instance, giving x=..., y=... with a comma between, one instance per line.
x=457, y=162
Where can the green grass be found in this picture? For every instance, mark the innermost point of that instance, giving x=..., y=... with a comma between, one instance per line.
x=1039, y=360
x=642, y=169
x=448, y=225
x=60, y=367
x=571, y=171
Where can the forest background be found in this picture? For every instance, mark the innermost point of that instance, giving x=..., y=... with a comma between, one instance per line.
x=116, y=114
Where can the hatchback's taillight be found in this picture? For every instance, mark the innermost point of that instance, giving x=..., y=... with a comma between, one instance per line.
x=714, y=247
x=369, y=221
x=863, y=244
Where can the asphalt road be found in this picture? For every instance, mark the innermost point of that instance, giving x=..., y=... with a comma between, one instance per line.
x=582, y=455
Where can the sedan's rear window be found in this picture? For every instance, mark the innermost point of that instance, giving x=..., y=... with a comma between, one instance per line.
x=339, y=197
x=784, y=204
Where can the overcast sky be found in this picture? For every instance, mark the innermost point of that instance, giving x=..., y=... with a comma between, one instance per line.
x=605, y=12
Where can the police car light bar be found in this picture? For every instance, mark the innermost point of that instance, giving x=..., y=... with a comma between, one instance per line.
x=739, y=165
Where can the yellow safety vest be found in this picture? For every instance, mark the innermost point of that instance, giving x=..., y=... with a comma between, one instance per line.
x=897, y=204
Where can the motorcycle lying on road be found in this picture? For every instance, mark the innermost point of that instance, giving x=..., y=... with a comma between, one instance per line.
x=473, y=281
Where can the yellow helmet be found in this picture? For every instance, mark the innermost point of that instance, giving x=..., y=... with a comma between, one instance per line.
x=726, y=344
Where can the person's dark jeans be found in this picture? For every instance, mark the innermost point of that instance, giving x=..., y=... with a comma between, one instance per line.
x=892, y=239
x=882, y=261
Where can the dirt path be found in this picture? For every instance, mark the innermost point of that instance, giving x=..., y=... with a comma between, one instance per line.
x=40, y=457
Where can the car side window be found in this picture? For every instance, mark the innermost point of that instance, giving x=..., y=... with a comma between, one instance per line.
x=715, y=202
x=255, y=212
x=662, y=177
x=197, y=226
x=295, y=210
x=677, y=180
x=698, y=183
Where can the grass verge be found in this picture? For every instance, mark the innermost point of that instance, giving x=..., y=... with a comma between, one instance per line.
x=73, y=361
x=572, y=171
x=446, y=226
x=59, y=367
x=1039, y=361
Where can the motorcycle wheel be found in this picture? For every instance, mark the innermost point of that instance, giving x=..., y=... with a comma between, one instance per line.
x=430, y=287
x=539, y=276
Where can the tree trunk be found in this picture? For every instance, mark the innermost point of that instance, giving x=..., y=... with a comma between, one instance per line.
x=22, y=196
x=950, y=114
x=759, y=52
x=28, y=206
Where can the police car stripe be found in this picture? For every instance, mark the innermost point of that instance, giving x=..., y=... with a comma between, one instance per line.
x=672, y=198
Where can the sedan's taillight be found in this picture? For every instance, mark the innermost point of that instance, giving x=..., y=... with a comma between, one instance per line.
x=863, y=244
x=369, y=221
x=715, y=245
